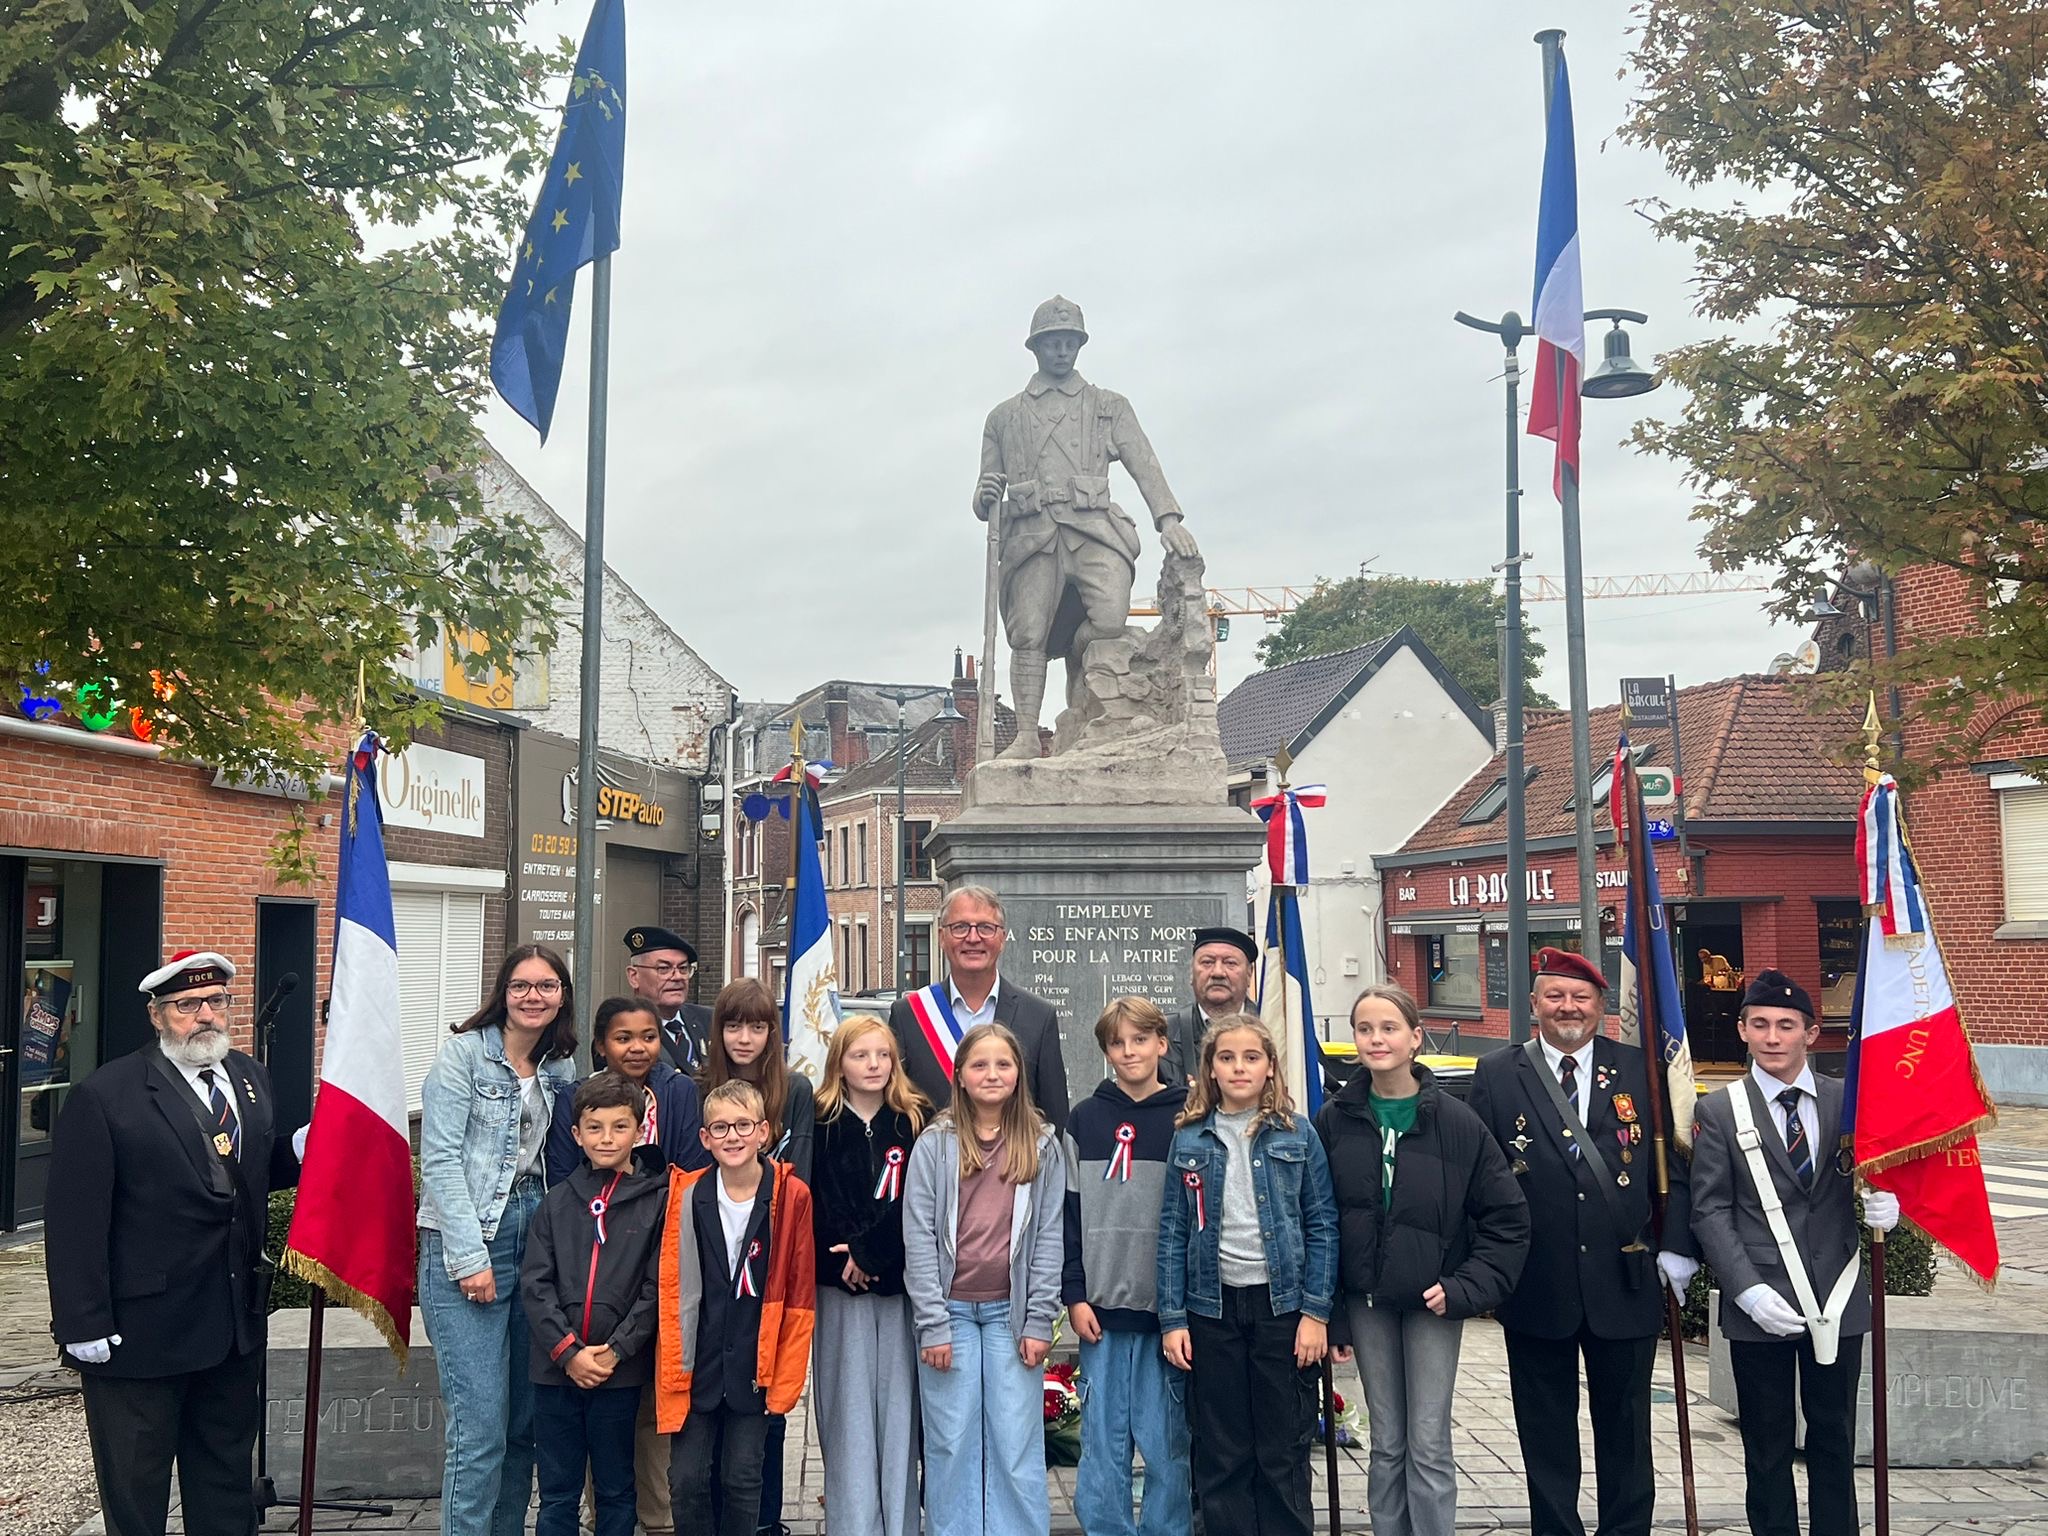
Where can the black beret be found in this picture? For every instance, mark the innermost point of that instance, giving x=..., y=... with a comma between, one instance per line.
x=1565, y=962
x=1774, y=989
x=642, y=938
x=1235, y=938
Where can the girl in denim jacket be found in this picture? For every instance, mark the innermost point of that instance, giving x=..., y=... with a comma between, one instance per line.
x=1247, y=1265
x=484, y=1116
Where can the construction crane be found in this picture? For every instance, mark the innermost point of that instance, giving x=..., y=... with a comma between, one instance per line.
x=1275, y=603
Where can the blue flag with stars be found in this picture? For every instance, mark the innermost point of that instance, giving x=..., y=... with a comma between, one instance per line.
x=575, y=221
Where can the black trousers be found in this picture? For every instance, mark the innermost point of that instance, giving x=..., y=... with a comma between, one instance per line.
x=1763, y=1397
x=1544, y=1377
x=733, y=1444
x=205, y=1421
x=1252, y=1416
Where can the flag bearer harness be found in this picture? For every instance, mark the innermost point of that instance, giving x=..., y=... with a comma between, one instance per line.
x=1824, y=1324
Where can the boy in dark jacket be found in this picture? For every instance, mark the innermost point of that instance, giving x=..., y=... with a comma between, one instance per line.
x=1116, y=1143
x=588, y=1283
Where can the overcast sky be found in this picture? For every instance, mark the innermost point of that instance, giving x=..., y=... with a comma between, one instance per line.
x=839, y=219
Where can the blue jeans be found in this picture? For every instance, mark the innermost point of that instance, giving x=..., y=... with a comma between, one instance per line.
x=1131, y=1397
x=480, y=1352
x=984, y=1431
x=575, y=1429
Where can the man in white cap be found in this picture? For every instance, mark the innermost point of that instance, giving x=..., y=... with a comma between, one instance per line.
x=160, y=1177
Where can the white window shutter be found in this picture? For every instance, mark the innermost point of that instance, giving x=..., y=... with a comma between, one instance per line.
x=2024, y=817
x=416, y=918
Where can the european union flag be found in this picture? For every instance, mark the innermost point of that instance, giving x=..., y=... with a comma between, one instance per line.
x=575, y=221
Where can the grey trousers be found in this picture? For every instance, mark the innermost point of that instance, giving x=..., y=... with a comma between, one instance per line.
x=1408, y=1362
x=864, y=1402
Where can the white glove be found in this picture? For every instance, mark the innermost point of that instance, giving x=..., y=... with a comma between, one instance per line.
x=95, y=1352
x=1880, y=1209
x=1771, y=1312
x=299, y=1141
x=1678, y=1271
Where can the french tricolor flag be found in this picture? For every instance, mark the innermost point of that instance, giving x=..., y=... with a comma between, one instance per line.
x=352, y=1228
x=1560, y=312
x=1913, y=1100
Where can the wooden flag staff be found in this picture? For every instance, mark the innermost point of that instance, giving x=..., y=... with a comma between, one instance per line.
x=1880, y=1414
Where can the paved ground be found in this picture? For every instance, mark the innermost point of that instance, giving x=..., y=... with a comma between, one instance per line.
x=45, y=1476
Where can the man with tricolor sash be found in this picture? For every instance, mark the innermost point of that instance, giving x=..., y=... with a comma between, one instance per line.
x=931, y=1022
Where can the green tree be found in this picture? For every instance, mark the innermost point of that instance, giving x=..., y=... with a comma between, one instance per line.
x=248, y=254
x=1888, y=398
x=1458, y=620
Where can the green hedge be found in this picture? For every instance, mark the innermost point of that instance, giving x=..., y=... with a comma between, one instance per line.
x=286, y=1289
x=1908, y=1271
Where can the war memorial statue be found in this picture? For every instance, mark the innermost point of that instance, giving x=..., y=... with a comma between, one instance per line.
x=1139, y=703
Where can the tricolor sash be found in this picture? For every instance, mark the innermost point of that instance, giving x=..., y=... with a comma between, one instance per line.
x=933, y=1010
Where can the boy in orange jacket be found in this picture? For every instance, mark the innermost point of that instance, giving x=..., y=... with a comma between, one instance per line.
x=737, y=1277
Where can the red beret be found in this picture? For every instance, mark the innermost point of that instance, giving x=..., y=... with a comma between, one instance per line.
x=1563, y=962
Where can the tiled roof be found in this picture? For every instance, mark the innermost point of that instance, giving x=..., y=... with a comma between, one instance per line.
x=1756, y=750
x=1274, y=707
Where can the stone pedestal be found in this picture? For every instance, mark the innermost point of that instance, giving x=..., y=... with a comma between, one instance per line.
x=380, y=1429
x=1967, y=1381
x=1102, y=899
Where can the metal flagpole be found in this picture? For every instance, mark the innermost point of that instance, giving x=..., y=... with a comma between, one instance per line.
x=985, y=726
x=593, y=646
x=1880, y=1405
x=1552, y=42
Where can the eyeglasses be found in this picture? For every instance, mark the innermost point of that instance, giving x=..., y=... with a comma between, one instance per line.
x=974, y=930
x=549, y=988
x=188, y=1007
x=720, y=1129
x=666, y=968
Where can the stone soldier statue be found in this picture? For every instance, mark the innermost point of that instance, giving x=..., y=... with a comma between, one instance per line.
x=1068, y=553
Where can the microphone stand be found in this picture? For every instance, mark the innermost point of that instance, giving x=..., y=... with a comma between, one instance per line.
x=263, y=1492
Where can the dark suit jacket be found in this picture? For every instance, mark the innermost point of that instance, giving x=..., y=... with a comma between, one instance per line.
x=1577, y=1272
x=1034, y=1022
x=1728, y=1217
x=1184, y=1031
x=144, y=1234
x=697, y=1025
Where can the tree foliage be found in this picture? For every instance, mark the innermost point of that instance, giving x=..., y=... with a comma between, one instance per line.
x=1872, y=181
x=1456, y=619
x=248, y=252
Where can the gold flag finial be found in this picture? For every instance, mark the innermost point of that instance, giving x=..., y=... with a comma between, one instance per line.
x=1871, y=732
x=1282, y=761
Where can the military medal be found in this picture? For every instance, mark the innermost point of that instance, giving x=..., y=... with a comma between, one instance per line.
x=1625, y=1139
x=1520, y=1144
x=1624, y=1109
x=1622, y=1179
x=1520, y=1167
x=223, y=1144
x=1603, y=1078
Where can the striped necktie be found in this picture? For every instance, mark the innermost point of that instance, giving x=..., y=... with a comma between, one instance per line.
x=1568, y=1079
x=1795, y=1137
x=224, y=1121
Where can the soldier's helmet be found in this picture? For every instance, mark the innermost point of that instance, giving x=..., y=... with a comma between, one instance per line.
x=1056, y=314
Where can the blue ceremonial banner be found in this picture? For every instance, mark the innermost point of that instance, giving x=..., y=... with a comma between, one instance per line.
x=1284, y=1002
x=1647, y=961
x=810, y=1005
x=575, y=221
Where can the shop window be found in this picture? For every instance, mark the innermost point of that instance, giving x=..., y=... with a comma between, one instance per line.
x=1454, y=971
x=917, y=863
x=60, y=1019
x=917, y=957
x=1841, y=951
x=2023, y=834
x=440, y=972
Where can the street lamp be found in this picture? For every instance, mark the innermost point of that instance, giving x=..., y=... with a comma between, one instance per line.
x=946, y=714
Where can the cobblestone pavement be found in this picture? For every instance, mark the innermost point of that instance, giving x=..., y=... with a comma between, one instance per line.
x=1925, y=1502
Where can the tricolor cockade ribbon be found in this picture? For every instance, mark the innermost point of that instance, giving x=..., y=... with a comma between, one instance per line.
x=1194, y=1183
x=1120, y=1160
x=745, y=1286
x=890, y=1185
x=599, y=1204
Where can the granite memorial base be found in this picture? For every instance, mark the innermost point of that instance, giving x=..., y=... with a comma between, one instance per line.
x=1967, y=1381
x=380, y=1428
x=1102, y=901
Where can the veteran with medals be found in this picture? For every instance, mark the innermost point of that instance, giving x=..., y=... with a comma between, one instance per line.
x=1568, y=1108
x=160, y=1178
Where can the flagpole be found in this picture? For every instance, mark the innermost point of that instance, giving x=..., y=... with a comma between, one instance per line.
x=1880, y=1409
x=799, y=828
x=585, y=940
x=1650, y=1035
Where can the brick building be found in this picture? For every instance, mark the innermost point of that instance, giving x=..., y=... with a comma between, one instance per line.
x=1980, y=832
x=1765, y=875
x=113, y=858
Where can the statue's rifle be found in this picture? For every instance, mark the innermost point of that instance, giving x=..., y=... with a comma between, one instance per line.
x=985, y=723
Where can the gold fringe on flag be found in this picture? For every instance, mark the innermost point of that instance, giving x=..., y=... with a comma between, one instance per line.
x=338, y=1290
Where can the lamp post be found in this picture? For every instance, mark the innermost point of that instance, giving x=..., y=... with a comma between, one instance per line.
x=945, y=715
x=1618, y=377
x=1510, y=330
